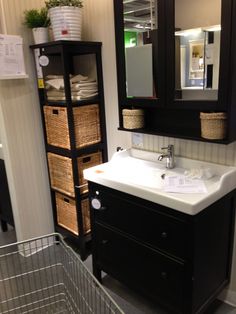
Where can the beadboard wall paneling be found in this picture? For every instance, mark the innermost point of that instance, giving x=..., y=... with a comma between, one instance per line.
x=217, y=153
x=22, y=136
x=98, y=25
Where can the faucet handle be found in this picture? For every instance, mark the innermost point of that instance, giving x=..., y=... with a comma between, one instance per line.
x=169, y=147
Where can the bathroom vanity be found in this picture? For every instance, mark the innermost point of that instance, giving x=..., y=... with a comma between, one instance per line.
x=174, y=248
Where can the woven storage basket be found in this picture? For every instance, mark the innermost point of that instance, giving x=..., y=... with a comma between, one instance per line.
x=213, y=125
x=67, y=215
x=86, y=124
x=85, y=162
x=133, y=118
x=61, y=173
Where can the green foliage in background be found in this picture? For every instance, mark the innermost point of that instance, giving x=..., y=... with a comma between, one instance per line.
x=36, y=18
x=58, y=3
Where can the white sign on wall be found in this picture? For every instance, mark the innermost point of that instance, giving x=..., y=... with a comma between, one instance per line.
x=12, y=63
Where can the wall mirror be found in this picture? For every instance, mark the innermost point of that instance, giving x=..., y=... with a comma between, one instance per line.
x=140, y=31
x=197, y=49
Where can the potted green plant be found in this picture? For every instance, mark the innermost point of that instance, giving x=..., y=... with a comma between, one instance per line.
x=38, y=21
x=66, y=18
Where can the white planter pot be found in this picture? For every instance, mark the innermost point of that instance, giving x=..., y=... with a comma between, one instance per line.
x=40, y=35
x=66, y=22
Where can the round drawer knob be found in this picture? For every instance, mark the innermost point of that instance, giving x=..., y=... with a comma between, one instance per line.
x=96, y=203
x=164, y=235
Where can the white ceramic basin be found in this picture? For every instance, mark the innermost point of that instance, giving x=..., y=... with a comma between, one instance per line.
x=139, y=173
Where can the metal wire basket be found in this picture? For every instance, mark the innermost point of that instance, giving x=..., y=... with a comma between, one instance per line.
x=44, y=275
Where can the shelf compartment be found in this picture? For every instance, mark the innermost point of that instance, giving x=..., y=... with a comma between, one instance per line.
x=67, y=214
x=86, y=126
x=64, y=103
x=61, y=172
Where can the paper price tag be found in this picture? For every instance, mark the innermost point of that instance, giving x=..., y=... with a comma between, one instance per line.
x=40, y=83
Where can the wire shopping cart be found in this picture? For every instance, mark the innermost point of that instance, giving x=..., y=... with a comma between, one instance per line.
x=44, y=275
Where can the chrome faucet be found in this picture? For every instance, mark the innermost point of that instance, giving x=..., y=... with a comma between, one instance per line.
x=170, y=158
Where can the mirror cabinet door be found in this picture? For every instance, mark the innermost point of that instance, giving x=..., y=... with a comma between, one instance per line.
x=197, y=49
x=198, y=37
x=137, y=42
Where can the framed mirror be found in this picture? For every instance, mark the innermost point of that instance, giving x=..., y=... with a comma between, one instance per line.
x=139, y=60
x=197, y=49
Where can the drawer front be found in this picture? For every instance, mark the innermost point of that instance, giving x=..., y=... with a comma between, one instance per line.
x=145, y=224
x=140, y=267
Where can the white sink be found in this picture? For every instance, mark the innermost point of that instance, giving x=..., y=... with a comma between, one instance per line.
x=139, y=173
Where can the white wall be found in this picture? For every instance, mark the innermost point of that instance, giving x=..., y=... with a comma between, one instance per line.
x=22, y=136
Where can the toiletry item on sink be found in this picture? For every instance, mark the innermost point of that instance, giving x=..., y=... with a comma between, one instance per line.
x=199, y=173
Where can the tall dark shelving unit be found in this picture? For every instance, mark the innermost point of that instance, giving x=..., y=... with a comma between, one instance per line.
x=66, y=58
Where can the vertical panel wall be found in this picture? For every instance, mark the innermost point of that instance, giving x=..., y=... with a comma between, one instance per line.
x=22, y=136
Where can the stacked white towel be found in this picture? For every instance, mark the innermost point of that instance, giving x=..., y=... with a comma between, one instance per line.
x=82, y=87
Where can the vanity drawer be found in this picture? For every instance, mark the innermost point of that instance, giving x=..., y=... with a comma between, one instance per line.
x=144, y=223
x=140, y=267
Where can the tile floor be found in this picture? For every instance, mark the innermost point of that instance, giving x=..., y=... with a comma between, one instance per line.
x=129, y=301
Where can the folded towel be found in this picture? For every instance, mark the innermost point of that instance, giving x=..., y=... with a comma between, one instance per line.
x=55, y=83
x=78, y=78
x=56, y=93
x=85, y=93
x=59, y=84
x=84, y=84
x=78, y=88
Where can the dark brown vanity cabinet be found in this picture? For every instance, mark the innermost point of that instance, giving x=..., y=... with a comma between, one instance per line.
x=176, y=59
x=180, y=261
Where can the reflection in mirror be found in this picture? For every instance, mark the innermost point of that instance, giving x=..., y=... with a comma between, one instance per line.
x=197, y=49
x=140, y=23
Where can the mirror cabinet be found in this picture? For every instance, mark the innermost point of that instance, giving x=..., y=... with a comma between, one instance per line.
x=176, y=62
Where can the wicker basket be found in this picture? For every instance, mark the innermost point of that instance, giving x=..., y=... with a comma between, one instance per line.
x=67, y=214
x=86, y=124
x=213, y=125
x=133, y=118
x=61, y=173
x=85, y=162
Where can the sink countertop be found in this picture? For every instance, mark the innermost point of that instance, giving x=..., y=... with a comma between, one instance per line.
x=138, y=173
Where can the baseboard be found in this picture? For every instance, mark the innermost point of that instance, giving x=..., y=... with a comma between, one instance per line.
x=228, y=296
